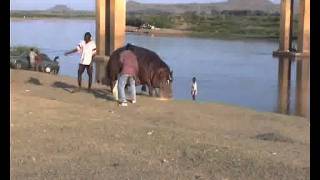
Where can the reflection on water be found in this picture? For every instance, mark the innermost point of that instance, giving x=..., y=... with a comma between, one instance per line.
x=303, y=87
x=302, y=95
x=284, y=77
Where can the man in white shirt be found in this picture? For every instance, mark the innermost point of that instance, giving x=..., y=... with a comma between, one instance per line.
x=87, y=49
x=32, y=56
x=194, y=88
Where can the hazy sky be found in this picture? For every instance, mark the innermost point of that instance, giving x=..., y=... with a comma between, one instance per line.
x=85, y=4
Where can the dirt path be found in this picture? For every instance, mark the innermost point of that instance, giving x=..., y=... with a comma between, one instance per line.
x=56, y=134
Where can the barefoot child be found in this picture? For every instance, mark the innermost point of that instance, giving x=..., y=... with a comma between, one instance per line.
x=194, y=88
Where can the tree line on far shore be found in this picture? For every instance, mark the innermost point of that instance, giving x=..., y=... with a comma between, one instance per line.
x=224, y=24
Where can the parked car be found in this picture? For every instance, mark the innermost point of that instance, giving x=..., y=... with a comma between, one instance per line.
x=47, y=65
x=20, y=62
x=147, y=26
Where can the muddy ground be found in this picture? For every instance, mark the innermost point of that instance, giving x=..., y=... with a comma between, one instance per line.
x=56, y=134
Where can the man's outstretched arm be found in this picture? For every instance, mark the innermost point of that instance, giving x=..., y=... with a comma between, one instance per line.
x=70, y=52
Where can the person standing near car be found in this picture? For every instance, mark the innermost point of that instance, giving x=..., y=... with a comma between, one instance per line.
x=56, y=71
x=32, y=59
x=87, y=49
x=38, y=61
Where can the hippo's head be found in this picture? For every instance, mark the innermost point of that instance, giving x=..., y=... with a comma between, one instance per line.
x=166, y=80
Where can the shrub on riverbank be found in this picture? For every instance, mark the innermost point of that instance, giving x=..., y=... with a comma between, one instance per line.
x=237, y=26
x=217, y=25
x=159, y=21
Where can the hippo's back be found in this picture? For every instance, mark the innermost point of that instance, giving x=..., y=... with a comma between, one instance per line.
x=113, y=67
x=149, y=63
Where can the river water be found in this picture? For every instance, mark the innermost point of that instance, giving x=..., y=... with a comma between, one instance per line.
x=237, y=72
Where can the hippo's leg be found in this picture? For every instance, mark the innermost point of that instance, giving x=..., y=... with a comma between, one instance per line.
x=151, y=90
x=112, y=84
x=157, y=90
x=144, y=88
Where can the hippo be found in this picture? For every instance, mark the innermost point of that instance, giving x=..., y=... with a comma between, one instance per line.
x=153, y=72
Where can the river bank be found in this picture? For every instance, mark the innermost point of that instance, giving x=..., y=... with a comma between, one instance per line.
x=56, y=134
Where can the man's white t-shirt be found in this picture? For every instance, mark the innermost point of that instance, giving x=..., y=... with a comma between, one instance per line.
x=87, y=50
x=32, y=56
x=194, y=88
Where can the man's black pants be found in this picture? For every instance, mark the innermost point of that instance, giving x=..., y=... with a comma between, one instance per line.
x=81, y=69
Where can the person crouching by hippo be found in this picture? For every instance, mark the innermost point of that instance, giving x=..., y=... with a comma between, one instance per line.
x=87, y=48
x=194, y=88
x=129, y=71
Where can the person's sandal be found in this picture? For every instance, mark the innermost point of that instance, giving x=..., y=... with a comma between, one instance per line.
x=132, y=101
x=123, y=104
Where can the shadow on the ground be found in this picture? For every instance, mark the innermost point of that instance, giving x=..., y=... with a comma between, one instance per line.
x=143, y=94
x=67, y=87
x=107, y=94
x=276, y=137
x=34, y=81
x=98, y=93
x=103, y=94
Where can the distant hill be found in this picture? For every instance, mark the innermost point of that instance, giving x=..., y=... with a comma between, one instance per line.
x=61, y=11
x=262, y=5
x=152, y=8
x=60, y=8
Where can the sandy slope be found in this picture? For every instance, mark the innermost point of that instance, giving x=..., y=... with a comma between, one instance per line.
x=59, y=135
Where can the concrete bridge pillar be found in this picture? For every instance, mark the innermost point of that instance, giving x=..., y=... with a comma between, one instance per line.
x=101, y=26
x=110, y=31
x=117, y=23
x=304, y=28
x=286, y=29
x=285, y=25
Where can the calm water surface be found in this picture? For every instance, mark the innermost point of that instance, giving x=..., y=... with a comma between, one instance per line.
x=238, y=72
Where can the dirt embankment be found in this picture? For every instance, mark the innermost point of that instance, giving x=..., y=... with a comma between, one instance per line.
x=56, y=134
